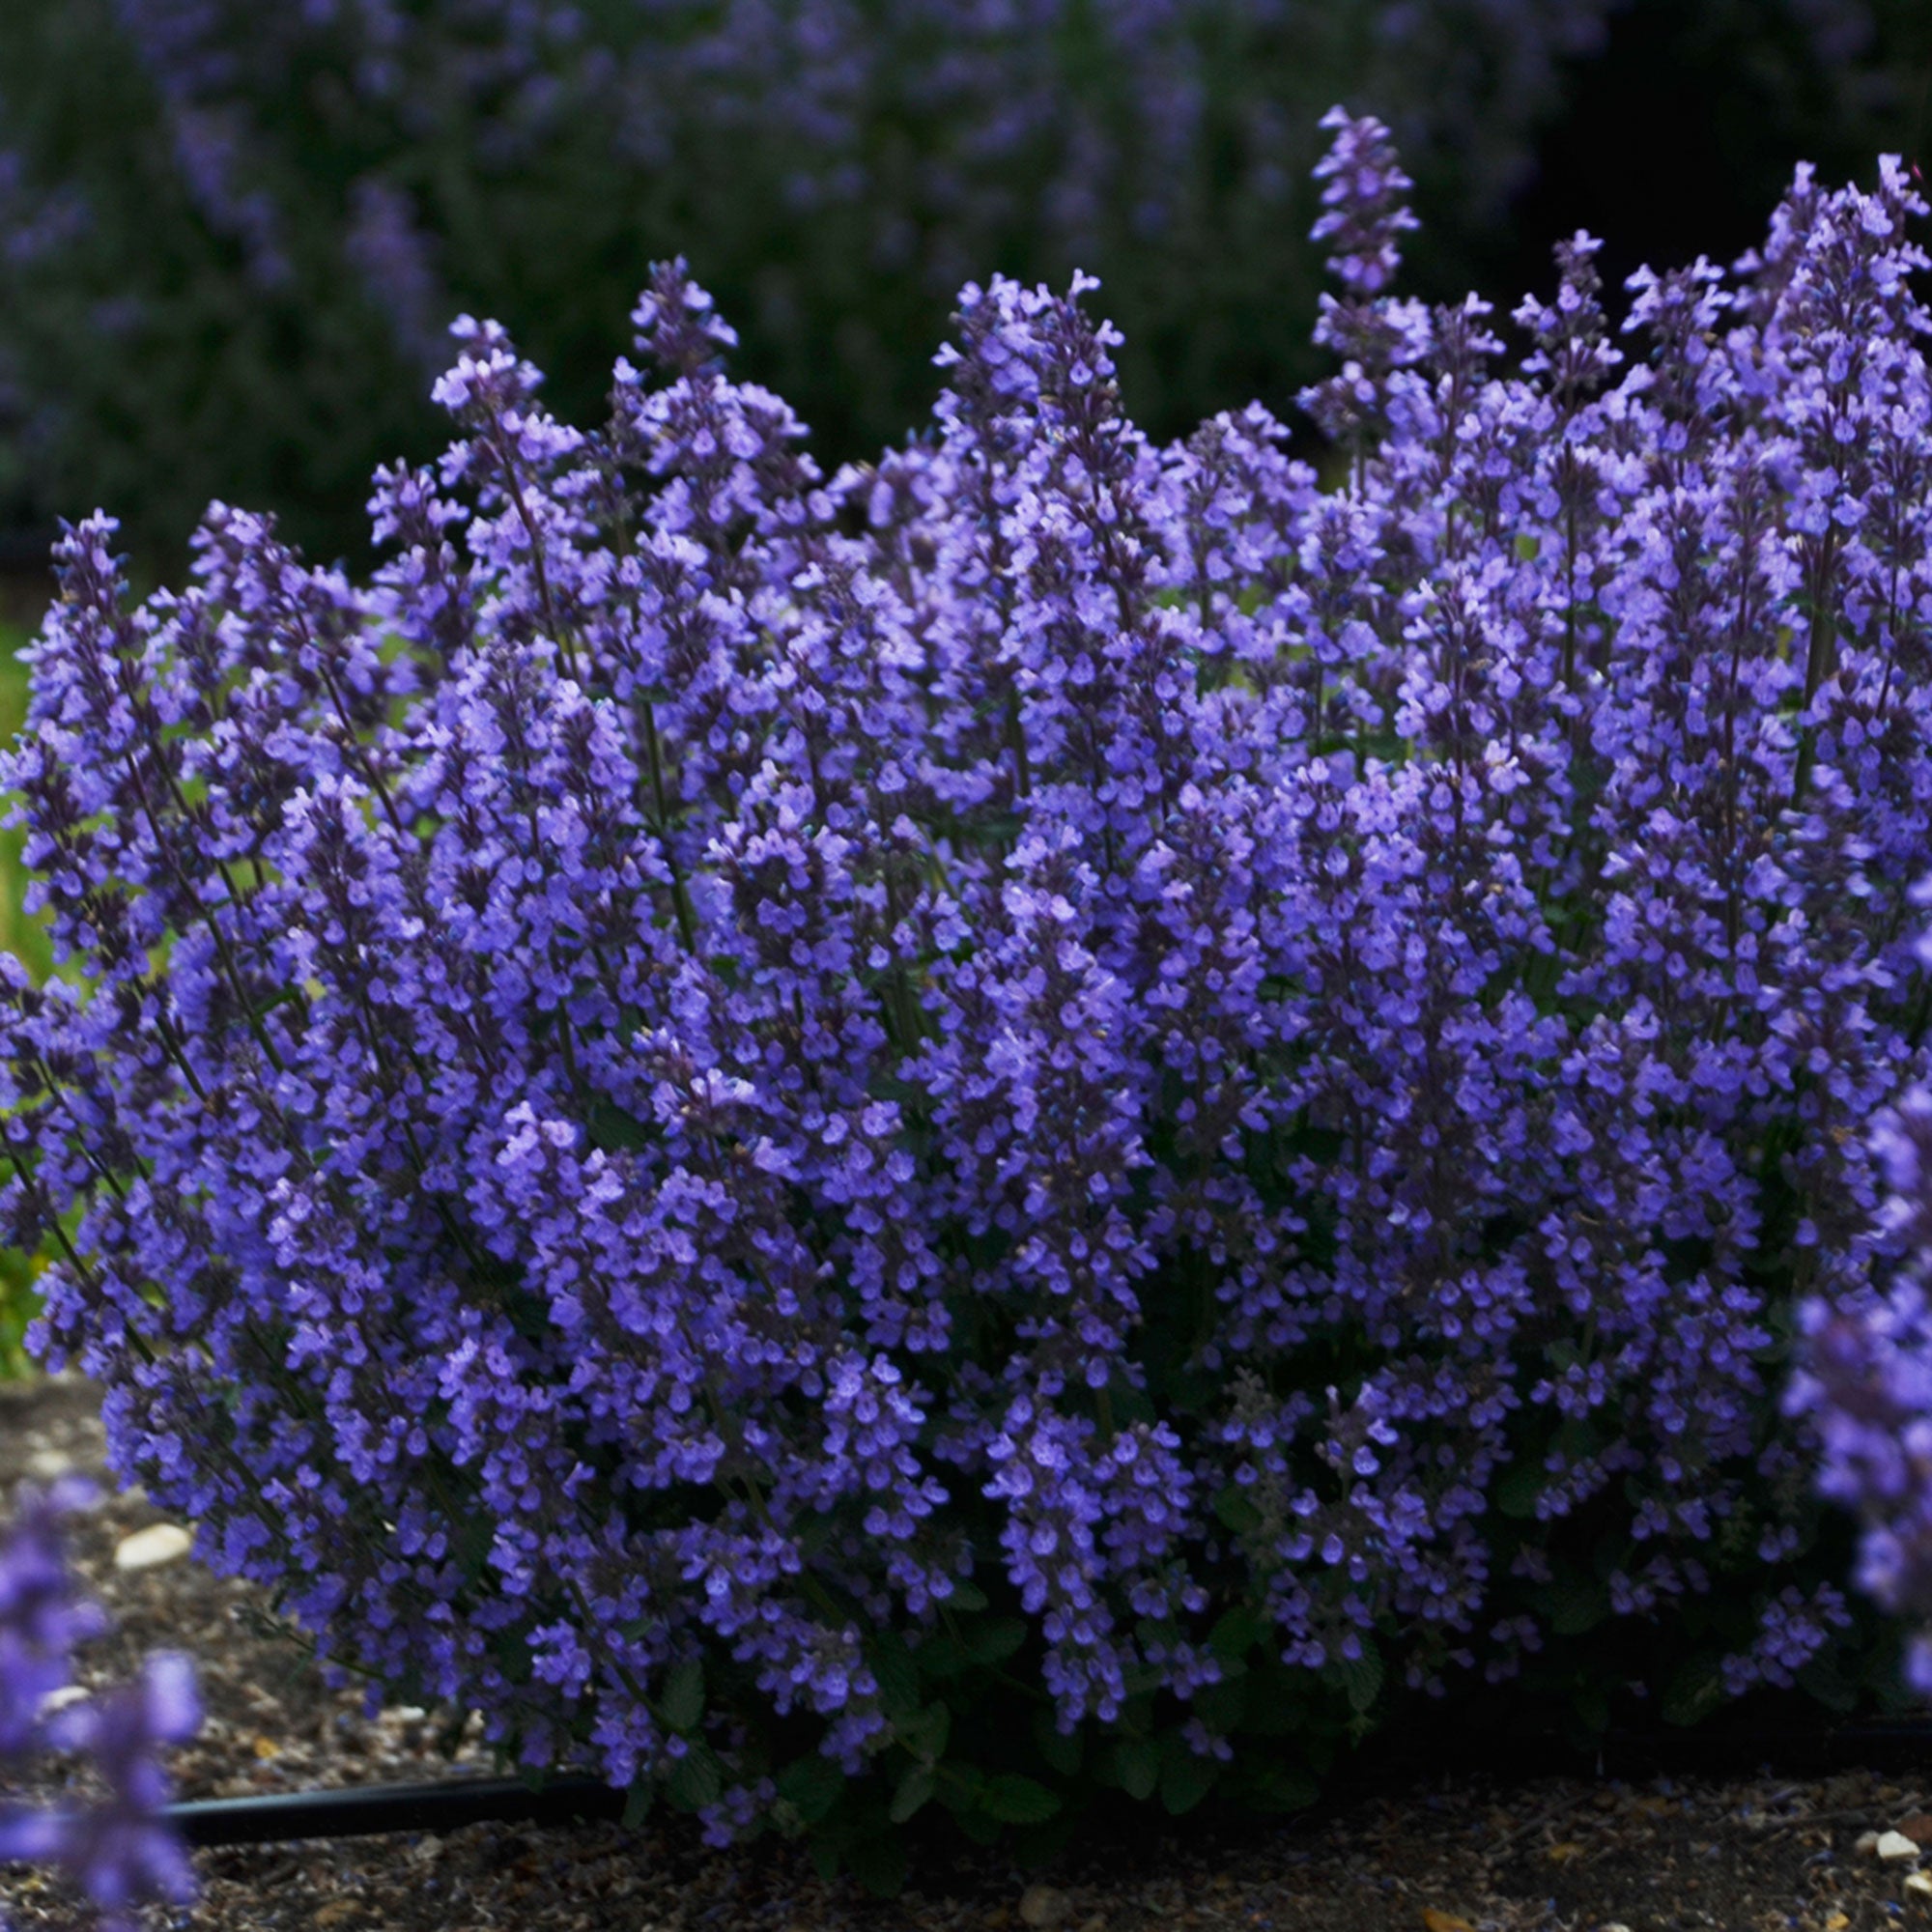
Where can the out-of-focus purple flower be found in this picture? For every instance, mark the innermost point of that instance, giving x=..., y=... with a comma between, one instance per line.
x=42, y=1618
x=119, y=1850
x=393, y=256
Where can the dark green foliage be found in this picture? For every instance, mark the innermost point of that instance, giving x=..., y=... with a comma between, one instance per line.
x=149, y=362
x=975, y=1757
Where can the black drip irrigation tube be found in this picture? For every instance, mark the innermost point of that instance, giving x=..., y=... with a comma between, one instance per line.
x=1882, y=1745
x=1629, y=1755
x=369, y=1810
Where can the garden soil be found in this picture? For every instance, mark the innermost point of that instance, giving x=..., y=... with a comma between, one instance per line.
x=1448, y=1853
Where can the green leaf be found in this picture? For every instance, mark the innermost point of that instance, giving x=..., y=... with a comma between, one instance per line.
x=1014, y=1799
x=993, y=1640
x=513, y=1659
x=813, y=1783
x=1185, y=1778
x=915, y=1789
x=1592, y=1706
x=925, y=1734
x=1237, y=1509
x=1274, y=1788
x=1518, y=1489
x=1613, y=1553
x=879, y=1864
x=979, y=1826
x=1697, y=1689
x=610, y=1129
x=825, y=1857
x=966, y=1596
x=1361, y=1676
x=816, y=1531
x=1137, y=1765
x=1820, y=1681
x=1222, y=1706
x=1577, y=1606
x=1526, y=547
x=638, y=1803
x=1276, y=1704
x=991, y=828
x=959, y=1788
x=1037, y=1846
x=1235, y=1633
x=684, y=1695
x=938, y=1656
x=1061, y=1753
x=694, y=1780
x=892, y=1664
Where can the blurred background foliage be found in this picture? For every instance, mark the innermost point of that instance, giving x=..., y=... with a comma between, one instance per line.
x=233, y=235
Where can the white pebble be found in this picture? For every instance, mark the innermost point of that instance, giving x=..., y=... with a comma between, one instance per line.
x=1043, y=1906
x=149, y=1548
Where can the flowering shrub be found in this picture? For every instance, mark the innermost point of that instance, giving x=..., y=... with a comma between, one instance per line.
x=759, y=1121
x=237, y=283
x=119, y=1849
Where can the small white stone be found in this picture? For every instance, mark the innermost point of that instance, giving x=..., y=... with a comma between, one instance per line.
x=1918, y=1882
x=1041, y=1905
x=48, y=1465
x=1868, y=1842
x=1895, y=1845
x=149, y=1548
x=58, y=1700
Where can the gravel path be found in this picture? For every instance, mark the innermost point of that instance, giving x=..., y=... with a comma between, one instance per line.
x=1450, y=1854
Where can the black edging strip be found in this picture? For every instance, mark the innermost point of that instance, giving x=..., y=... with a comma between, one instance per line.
x=451, y=1804
x=362, y=1812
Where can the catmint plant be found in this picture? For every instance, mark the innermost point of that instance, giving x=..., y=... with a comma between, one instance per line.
x=119, y=1849
x=756, y=1122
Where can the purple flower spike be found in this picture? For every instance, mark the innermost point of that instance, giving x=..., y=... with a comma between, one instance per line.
x=41, y=1617
x=119, y=1852
x=1364, y=209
